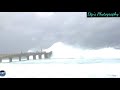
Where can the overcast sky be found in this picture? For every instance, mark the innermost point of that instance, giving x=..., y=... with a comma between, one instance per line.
x=20, y=31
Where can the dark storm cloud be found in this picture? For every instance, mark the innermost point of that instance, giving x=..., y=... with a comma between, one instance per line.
x=22, y=31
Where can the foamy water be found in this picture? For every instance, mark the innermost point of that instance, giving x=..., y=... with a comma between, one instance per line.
x=61, y=50
x=66, y=54
x=61, y=70
x=67, y=62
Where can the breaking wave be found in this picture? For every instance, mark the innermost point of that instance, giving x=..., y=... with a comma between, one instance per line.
x=62, y=50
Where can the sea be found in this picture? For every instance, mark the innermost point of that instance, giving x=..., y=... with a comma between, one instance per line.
x=66, y=62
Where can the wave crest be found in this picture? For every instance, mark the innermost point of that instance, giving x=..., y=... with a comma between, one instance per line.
x=62, y=50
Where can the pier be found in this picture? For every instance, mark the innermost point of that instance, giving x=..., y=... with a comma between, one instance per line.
x=27, y=55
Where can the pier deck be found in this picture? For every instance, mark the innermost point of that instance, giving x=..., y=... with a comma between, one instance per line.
x=26, y=54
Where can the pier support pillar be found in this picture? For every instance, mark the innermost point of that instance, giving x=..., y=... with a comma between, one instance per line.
x=19, y=58
x=27, y=57
x=34, y=57
x=50, y=54
x=40, y=56
x=10, y=59
x=46, y=55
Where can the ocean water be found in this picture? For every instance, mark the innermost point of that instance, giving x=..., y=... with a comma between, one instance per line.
x=67, y=62
x=86, y=70
x=66, y=54
x=63, y=61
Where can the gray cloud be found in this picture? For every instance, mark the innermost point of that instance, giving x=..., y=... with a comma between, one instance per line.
x=20, y=31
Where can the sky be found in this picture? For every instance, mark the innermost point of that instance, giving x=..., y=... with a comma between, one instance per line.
x=20, y=31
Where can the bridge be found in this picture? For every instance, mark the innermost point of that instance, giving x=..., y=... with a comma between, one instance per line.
x=27, y=55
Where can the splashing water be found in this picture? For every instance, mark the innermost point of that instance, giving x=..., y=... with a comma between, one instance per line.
x=87, y=66
x=61, y=50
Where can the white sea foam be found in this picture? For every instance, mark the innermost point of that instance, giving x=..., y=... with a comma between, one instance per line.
x=61, y=50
